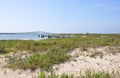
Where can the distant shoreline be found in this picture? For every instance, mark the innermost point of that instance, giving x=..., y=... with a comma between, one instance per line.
x=24, y=36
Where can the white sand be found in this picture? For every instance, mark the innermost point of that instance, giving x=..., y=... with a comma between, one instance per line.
x=80, y=61
x=108, y=63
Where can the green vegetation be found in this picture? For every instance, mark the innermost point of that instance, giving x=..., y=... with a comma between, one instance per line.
x=44, y=61
x=68, y=44
x=87, y=74
x=42, y=75
x=45, y=53
x=2, y=50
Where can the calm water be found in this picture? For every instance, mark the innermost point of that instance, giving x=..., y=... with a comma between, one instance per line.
x=20, y=37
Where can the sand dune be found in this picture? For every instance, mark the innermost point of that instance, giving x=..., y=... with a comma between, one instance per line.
x=79, y=62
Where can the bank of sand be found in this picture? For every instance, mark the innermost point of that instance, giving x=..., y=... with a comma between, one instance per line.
x=80, y=61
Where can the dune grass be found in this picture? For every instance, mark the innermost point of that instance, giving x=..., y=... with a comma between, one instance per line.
x=86, y=74
x=45, y=53
x=60, y=43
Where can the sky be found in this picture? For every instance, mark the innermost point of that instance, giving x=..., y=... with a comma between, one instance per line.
x=60, y=16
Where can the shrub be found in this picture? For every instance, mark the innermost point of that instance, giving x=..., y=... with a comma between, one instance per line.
x=53, y=75
x=64, y=76
x=3, y=50
x=42, y=75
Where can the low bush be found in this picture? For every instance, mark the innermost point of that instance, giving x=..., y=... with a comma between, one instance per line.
x=3, y=50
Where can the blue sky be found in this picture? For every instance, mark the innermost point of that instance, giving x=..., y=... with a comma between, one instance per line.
x=60, y=16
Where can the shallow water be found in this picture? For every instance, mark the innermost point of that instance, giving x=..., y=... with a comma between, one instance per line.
x=20, y=37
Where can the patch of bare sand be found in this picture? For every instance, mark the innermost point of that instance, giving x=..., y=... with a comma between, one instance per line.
x=82, y=62
x=8, y=73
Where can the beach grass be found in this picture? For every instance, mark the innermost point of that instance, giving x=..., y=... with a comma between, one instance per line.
x=85, y=74
x=45, y=53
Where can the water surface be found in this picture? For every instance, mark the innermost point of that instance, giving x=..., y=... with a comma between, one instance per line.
x=20, y=37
